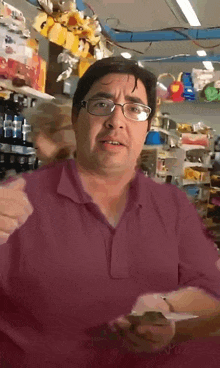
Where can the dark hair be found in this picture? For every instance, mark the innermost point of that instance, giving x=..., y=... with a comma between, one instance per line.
x=116, y=65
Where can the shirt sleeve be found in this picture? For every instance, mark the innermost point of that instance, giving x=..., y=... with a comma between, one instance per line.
x=198, y=254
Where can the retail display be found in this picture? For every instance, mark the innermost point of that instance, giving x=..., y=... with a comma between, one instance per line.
x=17, y=153
x=22, y=69
x=80, y=35
x=181, y=155
x=22, y=81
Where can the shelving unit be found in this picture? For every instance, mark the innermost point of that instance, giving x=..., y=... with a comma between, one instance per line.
x=27, y=91
x=174, y=159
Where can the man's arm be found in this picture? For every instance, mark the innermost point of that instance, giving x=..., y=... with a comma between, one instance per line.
x=196, y=328
x=193, y=300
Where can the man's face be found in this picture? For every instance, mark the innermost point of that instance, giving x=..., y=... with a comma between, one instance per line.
x=91, y=130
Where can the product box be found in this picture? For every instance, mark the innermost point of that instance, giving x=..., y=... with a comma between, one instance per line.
x=40, y=66
x=16, y=72
x=197, y=174
x=195, y=139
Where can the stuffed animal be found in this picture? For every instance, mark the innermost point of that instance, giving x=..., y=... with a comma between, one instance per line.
x=43, y=23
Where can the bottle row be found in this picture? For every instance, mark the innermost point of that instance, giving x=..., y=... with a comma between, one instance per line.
x=12, y=164
x=14, y=128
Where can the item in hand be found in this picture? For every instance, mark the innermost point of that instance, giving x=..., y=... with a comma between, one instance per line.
x=157, y=318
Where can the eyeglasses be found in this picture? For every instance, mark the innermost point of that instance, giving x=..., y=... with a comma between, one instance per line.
x=104, y=107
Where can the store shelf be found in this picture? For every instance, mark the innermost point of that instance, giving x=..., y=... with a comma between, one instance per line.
x=7, y=84
x=190, y=182
x=164, y=173
x=23, y=150
x=188, y=147
x=215, y=188
x=196, y=164
x=176, y=135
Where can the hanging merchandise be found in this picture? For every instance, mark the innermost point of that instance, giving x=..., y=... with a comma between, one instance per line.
x=20, y=64
x=211, y=92
x=207, y=83
x=78, y=34
x=162, y=89
x=176, y=90
x=189, y=91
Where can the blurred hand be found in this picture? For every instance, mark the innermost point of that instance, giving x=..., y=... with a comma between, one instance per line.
x=150, y=302
x=145, y=337
x=15, y=208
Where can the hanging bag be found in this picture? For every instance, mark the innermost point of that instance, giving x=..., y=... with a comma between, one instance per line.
x=176, y=90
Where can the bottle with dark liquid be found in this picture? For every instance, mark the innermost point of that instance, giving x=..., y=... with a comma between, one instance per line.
x=16, y=130
x=21, y=164
x=26, y=134
x=7, y=128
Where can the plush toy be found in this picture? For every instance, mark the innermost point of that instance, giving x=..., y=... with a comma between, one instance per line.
x=57, y=34
x=43, y=23
x=82, y=67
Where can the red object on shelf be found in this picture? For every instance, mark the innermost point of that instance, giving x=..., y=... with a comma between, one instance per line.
x=176, y=90
x=16, y=72
x=216, y=201
x=196, y=139
x=3, y=68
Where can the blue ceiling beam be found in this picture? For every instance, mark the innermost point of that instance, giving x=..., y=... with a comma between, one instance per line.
x=80, y=5
x=164, y=35
x=180, y=59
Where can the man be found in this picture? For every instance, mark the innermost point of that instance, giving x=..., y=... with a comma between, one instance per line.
x=87, y=242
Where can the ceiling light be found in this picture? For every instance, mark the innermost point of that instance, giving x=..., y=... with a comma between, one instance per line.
x=140, y=64
x=126, y=55
x=201, y=52
x=189, y=13
x=208, y=65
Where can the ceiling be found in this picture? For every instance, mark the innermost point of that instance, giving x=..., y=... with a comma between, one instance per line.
x=147, y=15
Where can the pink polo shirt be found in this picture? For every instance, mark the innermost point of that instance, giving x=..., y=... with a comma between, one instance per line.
x=67, y=272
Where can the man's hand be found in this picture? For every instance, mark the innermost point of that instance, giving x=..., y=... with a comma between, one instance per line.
x=145, y=336
x=14, y=208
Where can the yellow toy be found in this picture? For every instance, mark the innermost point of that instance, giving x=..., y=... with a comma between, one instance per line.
x=43, y=23
x=58, y=34
x=82, y=67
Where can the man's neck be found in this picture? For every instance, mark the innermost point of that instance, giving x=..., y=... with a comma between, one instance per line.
x=105, y=184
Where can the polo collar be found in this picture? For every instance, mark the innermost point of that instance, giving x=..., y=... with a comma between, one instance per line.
x=71, y=186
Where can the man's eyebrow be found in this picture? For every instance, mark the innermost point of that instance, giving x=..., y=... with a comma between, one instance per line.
x=103, y=94
x=134, y=99
x=111, y=96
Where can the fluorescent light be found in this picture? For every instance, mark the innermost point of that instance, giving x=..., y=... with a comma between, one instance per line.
x=201, y=52
x=189, y=13
x=208, y=65
x=126, y=55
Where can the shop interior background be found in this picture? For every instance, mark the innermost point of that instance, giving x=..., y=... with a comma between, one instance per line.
x=145, y=16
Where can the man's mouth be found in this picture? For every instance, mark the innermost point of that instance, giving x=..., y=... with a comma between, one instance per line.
x=114, y=143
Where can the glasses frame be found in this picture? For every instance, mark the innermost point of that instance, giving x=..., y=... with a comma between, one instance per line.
x=84, y=104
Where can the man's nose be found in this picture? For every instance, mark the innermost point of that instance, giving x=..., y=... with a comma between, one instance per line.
x=117, y=118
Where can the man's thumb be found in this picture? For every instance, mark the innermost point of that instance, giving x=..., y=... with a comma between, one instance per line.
x=18, y=184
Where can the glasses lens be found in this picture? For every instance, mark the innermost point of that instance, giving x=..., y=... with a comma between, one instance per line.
x=136, y=111
x=100, y=107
